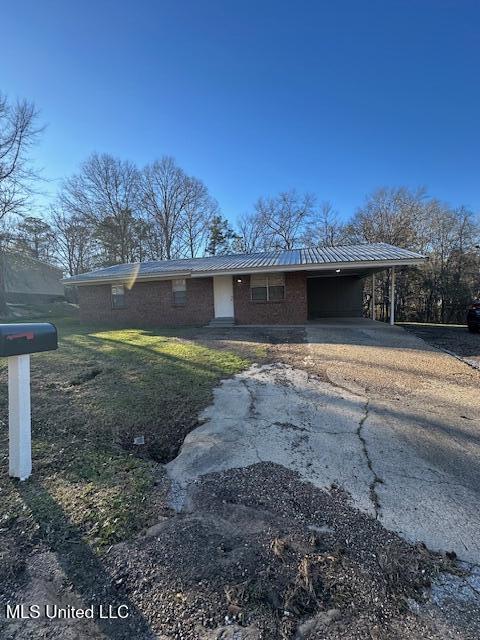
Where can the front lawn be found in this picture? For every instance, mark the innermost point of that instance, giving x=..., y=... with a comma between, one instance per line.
x=90, y=399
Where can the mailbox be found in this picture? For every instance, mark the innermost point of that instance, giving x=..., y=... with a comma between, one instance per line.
x=28, y=337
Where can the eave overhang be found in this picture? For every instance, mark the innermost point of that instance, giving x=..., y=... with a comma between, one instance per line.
x=171, y=275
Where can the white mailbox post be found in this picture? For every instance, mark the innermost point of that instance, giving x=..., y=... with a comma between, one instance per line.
x=17, y=342
x=19, y=419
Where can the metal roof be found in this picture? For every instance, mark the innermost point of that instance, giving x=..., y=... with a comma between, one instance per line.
x=357, y=255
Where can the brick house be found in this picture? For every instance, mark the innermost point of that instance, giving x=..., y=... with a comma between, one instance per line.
x=278, y=287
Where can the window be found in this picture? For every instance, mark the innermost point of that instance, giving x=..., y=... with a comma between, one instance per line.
x=179, y=291
x=267, y=288
x=118, y=296
x=259, y=288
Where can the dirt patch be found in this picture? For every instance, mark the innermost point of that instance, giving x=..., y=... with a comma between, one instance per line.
x=85, y=376
x=262, y=555
x=265, y=345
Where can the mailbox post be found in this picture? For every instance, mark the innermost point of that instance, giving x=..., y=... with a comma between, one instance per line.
x=19, y=420
x=17, y=342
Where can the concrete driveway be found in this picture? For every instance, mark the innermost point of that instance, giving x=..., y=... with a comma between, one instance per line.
x=368, y=407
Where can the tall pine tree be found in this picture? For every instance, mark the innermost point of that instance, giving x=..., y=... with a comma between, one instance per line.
x=220, y=237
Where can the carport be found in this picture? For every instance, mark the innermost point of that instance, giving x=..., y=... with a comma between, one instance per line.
x=338, y=293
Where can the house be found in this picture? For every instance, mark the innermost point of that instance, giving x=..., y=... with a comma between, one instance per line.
x=277, y=287
x=30, y=281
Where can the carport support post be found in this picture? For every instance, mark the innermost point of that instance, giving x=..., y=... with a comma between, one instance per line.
x=19, y=429
x=392, y=296
x=373, y=296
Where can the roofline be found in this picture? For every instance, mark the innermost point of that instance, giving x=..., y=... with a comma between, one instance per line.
x=378, y=264
x=23, y=256
x=328, y=266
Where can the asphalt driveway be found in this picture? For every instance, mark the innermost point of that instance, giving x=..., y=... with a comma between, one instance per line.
x=370, y=408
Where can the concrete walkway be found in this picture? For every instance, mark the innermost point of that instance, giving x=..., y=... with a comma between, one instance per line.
x=393, y=421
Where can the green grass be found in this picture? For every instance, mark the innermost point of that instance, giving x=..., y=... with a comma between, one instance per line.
x=90, y=399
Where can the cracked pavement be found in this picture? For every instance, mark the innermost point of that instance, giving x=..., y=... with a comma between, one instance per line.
x=388, y=418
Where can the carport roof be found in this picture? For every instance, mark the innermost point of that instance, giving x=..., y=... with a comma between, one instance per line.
x=374, y=255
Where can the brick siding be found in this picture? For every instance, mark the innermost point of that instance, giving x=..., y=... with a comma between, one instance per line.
x=149, y=303
x=292, y=310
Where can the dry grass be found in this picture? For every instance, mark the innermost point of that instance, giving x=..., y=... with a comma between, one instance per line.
x=90, y=399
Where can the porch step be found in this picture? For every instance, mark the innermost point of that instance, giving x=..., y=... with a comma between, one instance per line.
x=221, y=322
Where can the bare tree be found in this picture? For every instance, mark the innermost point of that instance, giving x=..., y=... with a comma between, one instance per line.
x=285, y=217
x=325, y=229
x=195, y=224
x=106, y=193
x=251, y=235
x=18, y=132
x=393, y=215
x=34, y=236
x=177, y=203
x=439, y=290
x=450, y=278
x=150, y=239
x=74, y=240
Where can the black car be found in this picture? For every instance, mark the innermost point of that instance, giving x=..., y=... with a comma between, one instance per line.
x=473, y=317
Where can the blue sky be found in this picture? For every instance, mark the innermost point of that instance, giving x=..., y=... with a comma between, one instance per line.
x=335, y=97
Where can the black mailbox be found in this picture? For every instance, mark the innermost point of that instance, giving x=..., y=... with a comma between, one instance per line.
x=28, y=337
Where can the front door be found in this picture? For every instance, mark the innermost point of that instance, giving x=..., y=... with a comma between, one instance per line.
x=223, y=296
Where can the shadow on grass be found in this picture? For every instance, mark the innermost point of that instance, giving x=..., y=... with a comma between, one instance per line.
x=82, y=567
x=187, y=363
